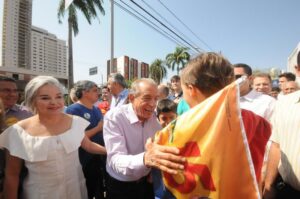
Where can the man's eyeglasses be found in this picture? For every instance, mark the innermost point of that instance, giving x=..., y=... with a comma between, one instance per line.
x=7, y=90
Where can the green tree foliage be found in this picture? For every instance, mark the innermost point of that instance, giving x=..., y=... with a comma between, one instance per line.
x=178, y=58
x=89, y=9
x=157, y=70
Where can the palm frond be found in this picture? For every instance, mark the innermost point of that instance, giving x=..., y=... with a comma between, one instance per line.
x=61, y=11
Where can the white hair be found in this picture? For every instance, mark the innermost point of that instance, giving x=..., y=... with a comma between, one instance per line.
x=33, y=86
x=135, y=86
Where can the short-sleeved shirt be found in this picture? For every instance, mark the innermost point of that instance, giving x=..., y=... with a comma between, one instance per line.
x=286, y=132
x=15, y=114
x=125, y=137
x=182, y=107
x=93, y=115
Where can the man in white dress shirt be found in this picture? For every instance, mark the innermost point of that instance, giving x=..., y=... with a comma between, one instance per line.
x=285, y=149
x=252, y=100
x=262, y=83
x=127, y=134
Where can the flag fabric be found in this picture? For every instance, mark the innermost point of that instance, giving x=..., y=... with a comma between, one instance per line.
x=68, y=3
x=212, y=138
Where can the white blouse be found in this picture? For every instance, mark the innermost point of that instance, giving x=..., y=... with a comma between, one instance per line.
x=54, y=170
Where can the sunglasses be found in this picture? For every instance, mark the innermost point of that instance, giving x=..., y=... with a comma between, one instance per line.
x=237, y=76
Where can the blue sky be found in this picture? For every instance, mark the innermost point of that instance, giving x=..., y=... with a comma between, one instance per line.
x=261, y=33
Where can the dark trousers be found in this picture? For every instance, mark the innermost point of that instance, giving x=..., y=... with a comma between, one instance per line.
x=284, y=190
x=94, y=175
x=2, y=164
x=140, y=189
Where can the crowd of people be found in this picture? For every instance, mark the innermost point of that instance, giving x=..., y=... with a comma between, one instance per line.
x=104, y=147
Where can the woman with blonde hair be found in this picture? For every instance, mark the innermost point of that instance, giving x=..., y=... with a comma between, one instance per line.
x=48, y=145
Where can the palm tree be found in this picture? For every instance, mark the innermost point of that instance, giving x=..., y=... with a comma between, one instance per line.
x=157, y=70
x=89, y=9
x=178, y=58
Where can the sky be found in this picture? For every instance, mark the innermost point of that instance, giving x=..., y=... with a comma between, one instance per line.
x=261, y=33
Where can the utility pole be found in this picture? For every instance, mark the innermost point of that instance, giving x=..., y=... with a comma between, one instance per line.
x=111, y=35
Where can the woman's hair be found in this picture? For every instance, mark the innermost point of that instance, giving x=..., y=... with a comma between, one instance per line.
x=209, y=72
x=83, y=85
x=72, y=95
x=33, y=86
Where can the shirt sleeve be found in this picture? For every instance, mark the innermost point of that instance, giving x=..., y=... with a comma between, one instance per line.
x=125, y=166
x=270, y=110
x=275, y=134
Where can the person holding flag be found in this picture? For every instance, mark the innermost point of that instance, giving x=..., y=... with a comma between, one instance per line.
x=223, y=145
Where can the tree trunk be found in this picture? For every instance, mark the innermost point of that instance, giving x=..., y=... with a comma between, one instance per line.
x=70, y=58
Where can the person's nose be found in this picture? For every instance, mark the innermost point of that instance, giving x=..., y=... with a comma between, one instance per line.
x=153, y=102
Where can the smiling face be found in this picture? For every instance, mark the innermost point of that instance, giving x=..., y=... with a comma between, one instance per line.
x=8, y=93
x=105, y=94
x=166, y=117
x=262, y=84
x=289, y=87
x=144, y=102
x=49, y=100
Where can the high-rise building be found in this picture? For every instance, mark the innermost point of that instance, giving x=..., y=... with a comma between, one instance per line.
x=48, y=53
x=23, y=58
x=130, y=68
x=292, y=59
x=16, y=33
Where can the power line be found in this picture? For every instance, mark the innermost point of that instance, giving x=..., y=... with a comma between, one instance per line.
x=162, y=32
x=171, y=24
x=164, y=25
x=153, y=26
x=185, y=25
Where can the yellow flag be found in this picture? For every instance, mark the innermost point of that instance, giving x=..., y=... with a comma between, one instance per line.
x=212, y=138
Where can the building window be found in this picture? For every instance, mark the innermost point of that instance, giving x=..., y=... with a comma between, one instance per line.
x=15, y=76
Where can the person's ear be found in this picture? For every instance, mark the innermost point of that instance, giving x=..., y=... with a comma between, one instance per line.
x=192, y=90
x=251, y=78
x=131, y=97
x=195, y=94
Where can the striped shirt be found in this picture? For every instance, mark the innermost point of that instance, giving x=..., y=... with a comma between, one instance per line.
x=286, y=132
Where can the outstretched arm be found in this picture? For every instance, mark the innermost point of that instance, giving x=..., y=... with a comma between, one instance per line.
x=92, y=147
x=12, y=171
x=90, y=133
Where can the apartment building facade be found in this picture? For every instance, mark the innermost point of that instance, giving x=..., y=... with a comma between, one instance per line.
x=130, y=68
x=16, y=33
x=48, y=53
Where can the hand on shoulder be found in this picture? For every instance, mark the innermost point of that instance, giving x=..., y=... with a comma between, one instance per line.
x=165, y=158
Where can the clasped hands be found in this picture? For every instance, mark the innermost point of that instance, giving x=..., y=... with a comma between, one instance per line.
x=165, y=158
